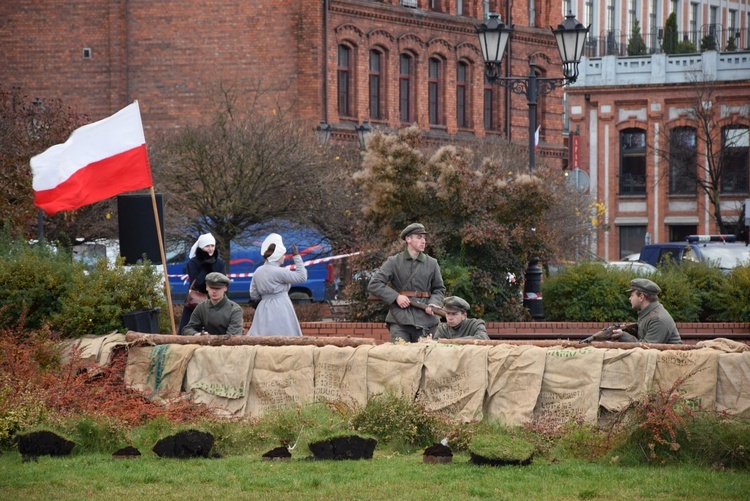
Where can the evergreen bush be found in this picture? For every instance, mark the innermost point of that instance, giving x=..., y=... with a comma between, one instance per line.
x=731, y=300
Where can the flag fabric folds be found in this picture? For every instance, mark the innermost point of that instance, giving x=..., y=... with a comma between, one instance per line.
x=536, y=137
x=98, y=161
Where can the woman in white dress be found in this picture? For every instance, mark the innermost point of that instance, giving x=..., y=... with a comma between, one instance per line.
x=275, y=314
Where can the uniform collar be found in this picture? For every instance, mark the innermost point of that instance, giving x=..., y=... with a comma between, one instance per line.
x=420, y=257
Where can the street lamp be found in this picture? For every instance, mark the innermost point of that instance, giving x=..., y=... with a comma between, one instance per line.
x=323, y=131
x=493, y=39
x=363, y=133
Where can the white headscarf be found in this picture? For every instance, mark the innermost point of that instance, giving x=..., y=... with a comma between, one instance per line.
x=203, y=240
x=278, y=253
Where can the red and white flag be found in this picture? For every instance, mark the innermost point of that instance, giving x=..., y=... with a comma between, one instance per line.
x=98, y=161
x=536, y=138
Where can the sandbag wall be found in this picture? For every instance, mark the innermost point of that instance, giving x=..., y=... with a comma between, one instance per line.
x=468, y=383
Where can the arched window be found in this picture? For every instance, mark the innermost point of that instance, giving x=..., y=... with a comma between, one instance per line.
x=376, y=84
x=490, y=106
x=632, y=162
x=683, y=152
x=735, y=158
x=344, y=81
x=462, y=95
x=405, y=88
x=435, y=91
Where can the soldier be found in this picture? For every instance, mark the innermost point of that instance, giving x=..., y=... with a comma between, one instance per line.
x=655, y=324
x=457, y=325
x=410, y=276
x=216, y=315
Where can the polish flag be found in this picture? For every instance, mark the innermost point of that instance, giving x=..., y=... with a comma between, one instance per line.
x=536, y=138
x=98, y=161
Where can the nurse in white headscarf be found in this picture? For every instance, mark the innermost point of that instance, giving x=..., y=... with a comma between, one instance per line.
x=275, y=314
x=204, y=259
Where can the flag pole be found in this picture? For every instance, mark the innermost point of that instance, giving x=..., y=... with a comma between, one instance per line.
x=163, y=261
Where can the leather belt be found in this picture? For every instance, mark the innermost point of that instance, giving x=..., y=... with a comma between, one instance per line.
x=415, y=294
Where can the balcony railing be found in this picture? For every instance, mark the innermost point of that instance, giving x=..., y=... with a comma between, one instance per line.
x=708, y=37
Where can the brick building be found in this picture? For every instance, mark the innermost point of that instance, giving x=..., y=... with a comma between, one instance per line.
x=391, y=62
x=637, y=133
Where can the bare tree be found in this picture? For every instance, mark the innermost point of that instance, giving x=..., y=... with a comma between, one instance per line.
x=241, y=169
x=709, y=152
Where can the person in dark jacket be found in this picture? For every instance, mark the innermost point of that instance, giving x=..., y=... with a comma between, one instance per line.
x=655, y=324
x=217, y=314
x=204, y=259
x=456, y=325
x=410, y=276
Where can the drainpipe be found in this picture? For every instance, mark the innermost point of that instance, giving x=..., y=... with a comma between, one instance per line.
x=509, y=52
x=325, y=60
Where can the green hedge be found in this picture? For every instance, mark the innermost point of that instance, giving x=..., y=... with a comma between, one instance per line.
x=49, y=288
x=691, y=292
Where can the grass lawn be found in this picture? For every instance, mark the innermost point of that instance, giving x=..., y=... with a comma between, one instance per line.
x=386, y=476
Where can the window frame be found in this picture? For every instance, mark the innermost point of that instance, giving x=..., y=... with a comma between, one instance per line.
x=679, y=158
x=406, y=87
x=435, y=93
x=375, y=82
x=344, y=74
x=628, y=158
x=463, y=97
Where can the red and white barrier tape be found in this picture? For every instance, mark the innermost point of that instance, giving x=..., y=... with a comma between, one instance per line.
x=311, y=262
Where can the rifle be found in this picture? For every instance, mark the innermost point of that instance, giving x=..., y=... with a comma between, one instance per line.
x=606, y=333
x=413, y=302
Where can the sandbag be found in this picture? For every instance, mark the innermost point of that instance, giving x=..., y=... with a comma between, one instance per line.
x=158, y=371
x=395, y=368
x=219, y=377
x=341, y=374
x=455, y=381
x=514, y=378
x=92, y=348
x=570, y=385
x=733, y=384
x=698, y=368
x=283, y=376
x=627, y=376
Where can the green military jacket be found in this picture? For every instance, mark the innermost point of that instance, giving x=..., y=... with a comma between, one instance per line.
x=222, y=318
x=401, y=272
x=470, y=328
x=655, y=325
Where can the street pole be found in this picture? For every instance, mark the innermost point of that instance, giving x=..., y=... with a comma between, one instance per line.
x=531, y=98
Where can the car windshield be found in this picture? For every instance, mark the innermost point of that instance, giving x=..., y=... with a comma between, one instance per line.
x=726, y=256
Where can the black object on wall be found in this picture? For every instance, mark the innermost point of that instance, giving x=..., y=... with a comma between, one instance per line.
x=137, y=228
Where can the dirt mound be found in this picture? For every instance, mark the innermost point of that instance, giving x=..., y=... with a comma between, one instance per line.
x=340, y=448
x=185, y=444
x=43, y=443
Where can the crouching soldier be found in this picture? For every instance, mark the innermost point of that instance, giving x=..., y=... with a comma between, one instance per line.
x=217, y=315
x=457, y=326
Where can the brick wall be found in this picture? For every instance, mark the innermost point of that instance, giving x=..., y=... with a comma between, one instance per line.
x=690, y=332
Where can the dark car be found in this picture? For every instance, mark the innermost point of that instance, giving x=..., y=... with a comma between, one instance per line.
x=722, y=251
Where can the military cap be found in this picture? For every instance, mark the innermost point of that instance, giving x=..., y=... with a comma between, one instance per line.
x=411, y=229
x=455, y=304
x=216, y=279
x=643, y=285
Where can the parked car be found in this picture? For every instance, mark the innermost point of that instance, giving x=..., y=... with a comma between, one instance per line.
x=636, y=266
x=245, y=259
x=722, y=251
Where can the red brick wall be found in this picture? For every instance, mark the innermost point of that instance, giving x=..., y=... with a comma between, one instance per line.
x=690, y=332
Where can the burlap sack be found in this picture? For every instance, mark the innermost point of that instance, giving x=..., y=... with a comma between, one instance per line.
x=94, y=349
x=570, y=385
x=283, y=376
x=219, y=377
x=627, y=376
x=724, y=344
x=341, y=374
x=698, y=368
x=514, y=378
x=158, y=371
x=395, y=368
x=733, y=384
x=455, y=381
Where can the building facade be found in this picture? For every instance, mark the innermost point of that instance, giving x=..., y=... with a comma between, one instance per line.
x=638, y=132
x=392, y=62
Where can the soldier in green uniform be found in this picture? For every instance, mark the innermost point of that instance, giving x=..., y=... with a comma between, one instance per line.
x=655, y=324
x=457, y=325
x=217, y=315
x=410, y=276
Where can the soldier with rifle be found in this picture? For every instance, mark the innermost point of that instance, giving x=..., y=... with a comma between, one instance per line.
x=456, y=325
x=408, y=278
x=655, y=324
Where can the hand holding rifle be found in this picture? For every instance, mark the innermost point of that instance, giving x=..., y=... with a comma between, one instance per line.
x=615, y=332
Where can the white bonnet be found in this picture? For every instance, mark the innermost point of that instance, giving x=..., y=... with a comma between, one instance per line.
x=203, y=240
x=278, y=253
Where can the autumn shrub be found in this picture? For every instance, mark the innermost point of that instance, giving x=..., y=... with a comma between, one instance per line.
x=656, y=426
x=396, y=420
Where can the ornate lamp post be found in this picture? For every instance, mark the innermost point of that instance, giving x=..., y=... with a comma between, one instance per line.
x=323, y=131
x=493, y=39
x=363, y=133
